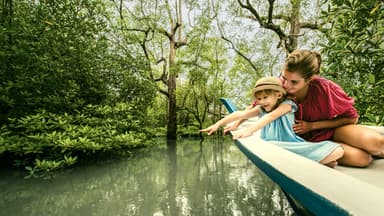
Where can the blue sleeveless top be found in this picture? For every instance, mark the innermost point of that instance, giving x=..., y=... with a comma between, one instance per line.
x=280, y=133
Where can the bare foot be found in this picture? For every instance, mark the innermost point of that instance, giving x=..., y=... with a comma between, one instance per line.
x=331, y=164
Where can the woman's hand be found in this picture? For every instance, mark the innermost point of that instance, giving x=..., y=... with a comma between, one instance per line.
x=302, y=127
x=210, y=130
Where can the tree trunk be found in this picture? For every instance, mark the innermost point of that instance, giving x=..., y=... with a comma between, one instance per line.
x=172, y=112
x=294, y=32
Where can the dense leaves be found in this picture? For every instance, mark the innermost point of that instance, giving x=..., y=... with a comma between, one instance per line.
x=51, y=61
x=355, y=54
x=66, y=87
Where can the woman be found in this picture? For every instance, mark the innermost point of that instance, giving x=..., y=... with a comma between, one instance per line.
x=326, y=112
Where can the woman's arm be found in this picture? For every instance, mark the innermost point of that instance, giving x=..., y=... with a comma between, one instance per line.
x=282, y=109
x=302, y=127
x=238, y=115
x=328, y=101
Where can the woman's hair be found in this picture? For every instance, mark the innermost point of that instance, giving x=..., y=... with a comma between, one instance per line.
x=305, y=62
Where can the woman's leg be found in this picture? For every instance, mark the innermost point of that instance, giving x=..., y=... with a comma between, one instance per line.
x=355, y=157
x=359, y=144
x=331, y=159
x=361, y=137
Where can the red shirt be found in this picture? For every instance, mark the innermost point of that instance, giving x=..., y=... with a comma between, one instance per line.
x=325, y=100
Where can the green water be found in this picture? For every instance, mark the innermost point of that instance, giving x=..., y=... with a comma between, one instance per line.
x=195, y=178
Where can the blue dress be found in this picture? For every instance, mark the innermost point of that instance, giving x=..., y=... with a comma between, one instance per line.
x=280, y=132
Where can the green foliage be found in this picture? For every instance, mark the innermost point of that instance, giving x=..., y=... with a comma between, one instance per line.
x=204, y=67
x=50, y=141
x=355, y=54
x=58, y=56
x=51, y=57
x=68, y=91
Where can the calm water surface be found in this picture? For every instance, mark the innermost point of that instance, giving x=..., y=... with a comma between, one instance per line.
x=194, y=178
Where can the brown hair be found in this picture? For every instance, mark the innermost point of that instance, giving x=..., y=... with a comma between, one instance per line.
x=305, y=62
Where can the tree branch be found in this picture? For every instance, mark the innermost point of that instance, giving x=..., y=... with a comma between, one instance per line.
x=268, y=25
x=313, y=26
x=162, y=91
x=240, y=53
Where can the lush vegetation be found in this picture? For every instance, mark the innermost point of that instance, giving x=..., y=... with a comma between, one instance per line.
x=355, y=56
x=67, y=90
x=84, y=78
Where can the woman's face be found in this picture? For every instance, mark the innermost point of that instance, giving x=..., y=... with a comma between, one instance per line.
x=292, y=82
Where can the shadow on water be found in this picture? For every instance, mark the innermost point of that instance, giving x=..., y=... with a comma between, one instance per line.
x=187, y=177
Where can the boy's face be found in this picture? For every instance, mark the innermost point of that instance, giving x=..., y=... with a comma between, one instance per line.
x=268, y=100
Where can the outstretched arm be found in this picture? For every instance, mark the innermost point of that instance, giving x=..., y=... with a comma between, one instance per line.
x=301, y=127
x=234, y=125
x=238, y=115
x=266, y=119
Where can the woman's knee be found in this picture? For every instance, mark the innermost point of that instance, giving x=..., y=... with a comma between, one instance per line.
x=364, y=161
x=375, y=143
x=380, y=142
x=356, y=158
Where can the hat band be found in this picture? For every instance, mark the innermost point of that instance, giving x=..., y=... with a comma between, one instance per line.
x=265, y=84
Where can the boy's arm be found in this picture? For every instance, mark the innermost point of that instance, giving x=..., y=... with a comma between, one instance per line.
x=282, y=109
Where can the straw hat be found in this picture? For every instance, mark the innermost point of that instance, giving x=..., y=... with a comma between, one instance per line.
x=272, y=83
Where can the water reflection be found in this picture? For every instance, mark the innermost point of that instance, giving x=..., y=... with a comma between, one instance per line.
x=188, y=178
x=171, y=206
